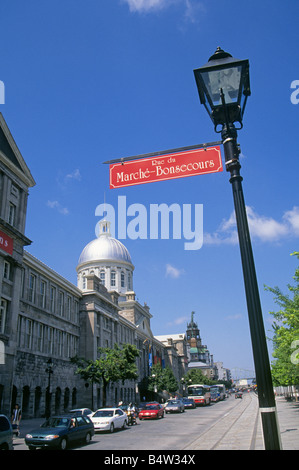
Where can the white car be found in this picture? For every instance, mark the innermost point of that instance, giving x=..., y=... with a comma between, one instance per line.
x=108, y=419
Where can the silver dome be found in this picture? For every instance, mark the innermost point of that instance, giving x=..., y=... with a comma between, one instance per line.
x=105, y=248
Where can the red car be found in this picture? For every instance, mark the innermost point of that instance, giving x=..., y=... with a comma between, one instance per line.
x=151, y=411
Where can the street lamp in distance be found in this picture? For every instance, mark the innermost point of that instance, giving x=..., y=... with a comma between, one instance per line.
x=49, y=371
x=223, y=86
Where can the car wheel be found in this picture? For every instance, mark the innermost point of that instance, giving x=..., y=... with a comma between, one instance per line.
x=111, y=428
x=87, y=438
x=63, y=444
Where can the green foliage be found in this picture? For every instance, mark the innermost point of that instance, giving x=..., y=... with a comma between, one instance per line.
x=285, y=367
x=195, y=376
x=112, y=364
x=162, y=379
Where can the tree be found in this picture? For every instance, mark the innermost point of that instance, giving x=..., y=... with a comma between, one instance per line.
x=112, y=365
x=285, y=368
x=162, y=379
x=195, y=376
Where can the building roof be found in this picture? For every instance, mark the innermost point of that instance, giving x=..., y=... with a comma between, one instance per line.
x=104, y=248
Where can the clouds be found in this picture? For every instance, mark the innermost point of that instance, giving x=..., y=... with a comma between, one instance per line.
x=74, y=175
x=147, y=5
x=178, y=321
x=191, y=8
x=56, y=205
x=62, y=182
x=262, y=228
x=173, y=272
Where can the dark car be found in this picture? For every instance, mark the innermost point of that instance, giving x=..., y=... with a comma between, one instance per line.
x=174, y=406
x=61, y=431
x=188, y=403
x=238, y=395
x=6, y=434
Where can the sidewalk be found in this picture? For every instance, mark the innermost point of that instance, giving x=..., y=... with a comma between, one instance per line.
x=288, y=418
x=288, y=422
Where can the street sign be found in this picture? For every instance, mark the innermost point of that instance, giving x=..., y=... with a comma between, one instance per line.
x=180, y=164
x=6, y=243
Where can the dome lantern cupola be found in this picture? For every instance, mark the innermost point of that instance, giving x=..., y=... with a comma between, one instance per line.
x=109, y=260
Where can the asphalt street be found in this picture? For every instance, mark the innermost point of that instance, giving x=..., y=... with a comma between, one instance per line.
x=233, y=424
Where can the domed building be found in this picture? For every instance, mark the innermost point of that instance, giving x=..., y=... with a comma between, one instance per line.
x=109, y=260
x=46, y=319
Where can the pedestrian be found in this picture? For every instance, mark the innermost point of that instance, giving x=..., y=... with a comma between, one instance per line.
x=15, y=419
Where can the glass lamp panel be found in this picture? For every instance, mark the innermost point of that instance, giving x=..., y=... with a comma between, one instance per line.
x=228, y=79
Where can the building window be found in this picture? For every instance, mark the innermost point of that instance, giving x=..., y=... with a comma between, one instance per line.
x=76, y=311
x=11, y=214
x=42, y=293
x=61, y=303
x=102, y=277
x=113, y=279
x=69, y=307
x=31, y=288
x=122, y=278
x=59, y=342
x=52, y=298
x=40, y=337
x=50, y=340
x=6, y=270
x=3, y=312
x=28, y=333
x=129, y=281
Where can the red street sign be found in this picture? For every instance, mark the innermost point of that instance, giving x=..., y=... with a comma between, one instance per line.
x=6, y=243
x=166, y=167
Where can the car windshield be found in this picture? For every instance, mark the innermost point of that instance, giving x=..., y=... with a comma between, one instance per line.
x=151, y=407
x=173, y=402
x=56, y=423
x=103, y=414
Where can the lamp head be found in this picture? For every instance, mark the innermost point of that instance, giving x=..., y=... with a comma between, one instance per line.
x=223, y=87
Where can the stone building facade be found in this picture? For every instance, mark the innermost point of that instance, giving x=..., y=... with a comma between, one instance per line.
x=45, y=319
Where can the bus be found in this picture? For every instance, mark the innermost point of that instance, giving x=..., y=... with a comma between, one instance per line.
x=218, y=392
x=200, y=394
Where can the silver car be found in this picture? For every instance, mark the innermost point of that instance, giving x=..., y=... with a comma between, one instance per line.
x=174, y=406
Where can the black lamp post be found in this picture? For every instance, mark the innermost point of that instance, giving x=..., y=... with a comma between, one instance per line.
x=223, y=86
x=49, y=371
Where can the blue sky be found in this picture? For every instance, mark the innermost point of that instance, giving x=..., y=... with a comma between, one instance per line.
x=89, y=81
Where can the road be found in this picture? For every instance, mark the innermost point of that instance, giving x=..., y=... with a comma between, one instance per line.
x=202, y=428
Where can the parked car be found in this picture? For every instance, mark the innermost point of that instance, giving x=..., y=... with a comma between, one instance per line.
x=174, y=406
x=60, y=431
x=151, y=411
x=82, y=412
x=238, y=395
x=188, y=403
x=6, y=434
x=108, y=419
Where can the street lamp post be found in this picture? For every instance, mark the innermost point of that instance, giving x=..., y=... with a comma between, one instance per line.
x=49, y=371
x=223, y=86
